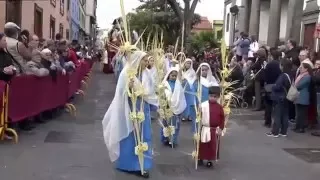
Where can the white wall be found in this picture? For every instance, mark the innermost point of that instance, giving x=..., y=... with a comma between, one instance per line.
x=227, y=34
x=264, y=22
x=89, y=12
x=90, y=7
x=283, y=21
x=88, y=25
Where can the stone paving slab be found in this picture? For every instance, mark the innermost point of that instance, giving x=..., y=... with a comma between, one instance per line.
x=70, y=148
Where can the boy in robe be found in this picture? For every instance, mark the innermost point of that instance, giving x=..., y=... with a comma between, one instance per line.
x=177, y=103
x=212, y=124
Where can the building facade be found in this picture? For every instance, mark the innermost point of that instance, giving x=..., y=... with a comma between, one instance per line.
x=271, y=21
x=90, y=21
x=43, y=18
x=218, y=29
x=75, y=19
x=203, y=26
x=82, y=19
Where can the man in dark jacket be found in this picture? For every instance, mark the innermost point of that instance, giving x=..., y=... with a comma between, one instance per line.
x=258, y=70
x=293, y=50
x=272, y=72
x=236, y=74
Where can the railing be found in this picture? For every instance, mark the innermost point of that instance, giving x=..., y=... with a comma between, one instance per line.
x=29, y=95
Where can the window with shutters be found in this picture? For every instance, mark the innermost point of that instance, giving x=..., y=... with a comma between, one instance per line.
x=61, y=29
x=62, y=7
x=52, y=27
x=53, y=3
x=67, y=34
x=38, y=19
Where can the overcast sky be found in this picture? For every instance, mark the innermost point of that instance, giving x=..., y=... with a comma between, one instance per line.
x=108, y=10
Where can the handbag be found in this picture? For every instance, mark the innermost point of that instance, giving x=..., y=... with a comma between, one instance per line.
x=293, y=92
x=268, y=88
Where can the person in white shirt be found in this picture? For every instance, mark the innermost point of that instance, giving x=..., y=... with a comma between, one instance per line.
x=254, y=47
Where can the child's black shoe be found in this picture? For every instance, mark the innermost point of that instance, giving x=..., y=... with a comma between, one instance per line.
x=209, y=164
x=200, y=162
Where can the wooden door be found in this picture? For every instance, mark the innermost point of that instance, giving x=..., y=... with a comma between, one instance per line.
x=13, y=11
x=308, y=40
x=52, y=27
x=38, y=20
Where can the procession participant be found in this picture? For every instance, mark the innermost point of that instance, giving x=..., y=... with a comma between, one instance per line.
x=177, y=103
x=153, y=73
x=119, y=130
x=212, y=124
x=113, y=42
x=119, y=62
x=206, y=79
x=167, y=61
x=152, y=69
x=189, y=76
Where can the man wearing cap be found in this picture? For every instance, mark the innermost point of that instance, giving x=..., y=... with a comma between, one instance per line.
x=19, y=52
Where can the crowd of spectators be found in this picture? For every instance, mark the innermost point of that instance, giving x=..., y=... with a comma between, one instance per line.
x=270, y=73
x=22, y=53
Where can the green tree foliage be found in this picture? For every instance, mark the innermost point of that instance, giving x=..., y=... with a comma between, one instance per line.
x=158, y=16
x=199, y=41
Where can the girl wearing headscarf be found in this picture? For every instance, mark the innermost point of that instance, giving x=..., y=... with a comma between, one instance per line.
x=189, y=76
x=168, y=61
x=152, y=73
x=206, y=80
x=177, y=103
x=118, y=129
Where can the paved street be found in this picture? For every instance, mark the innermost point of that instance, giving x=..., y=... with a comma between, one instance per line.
x=70, y=148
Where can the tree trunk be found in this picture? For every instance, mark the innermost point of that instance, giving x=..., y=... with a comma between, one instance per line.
x=185, y=16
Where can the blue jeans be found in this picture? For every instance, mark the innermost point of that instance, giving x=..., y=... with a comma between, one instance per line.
x=281, y=117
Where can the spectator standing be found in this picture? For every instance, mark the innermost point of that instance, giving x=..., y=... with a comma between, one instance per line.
x=312, y=108
x=7, y=69
x=47, y=62
x=245, y=46
x=271, y=73
x=34, y=66
x=254, y=47
x=73, y=53
x=281, y=104
x=237, y=47
x=258, y=68
x=18, y=50
x=302, y=83
x=293, y=51
x=63, y=57
x=236, y=74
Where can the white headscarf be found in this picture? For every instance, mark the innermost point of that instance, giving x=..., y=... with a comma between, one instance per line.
x=177, y=99
x=152, y=70
x=189, y=74
x=210, y=80
x=116, y=123
x=167, y=61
